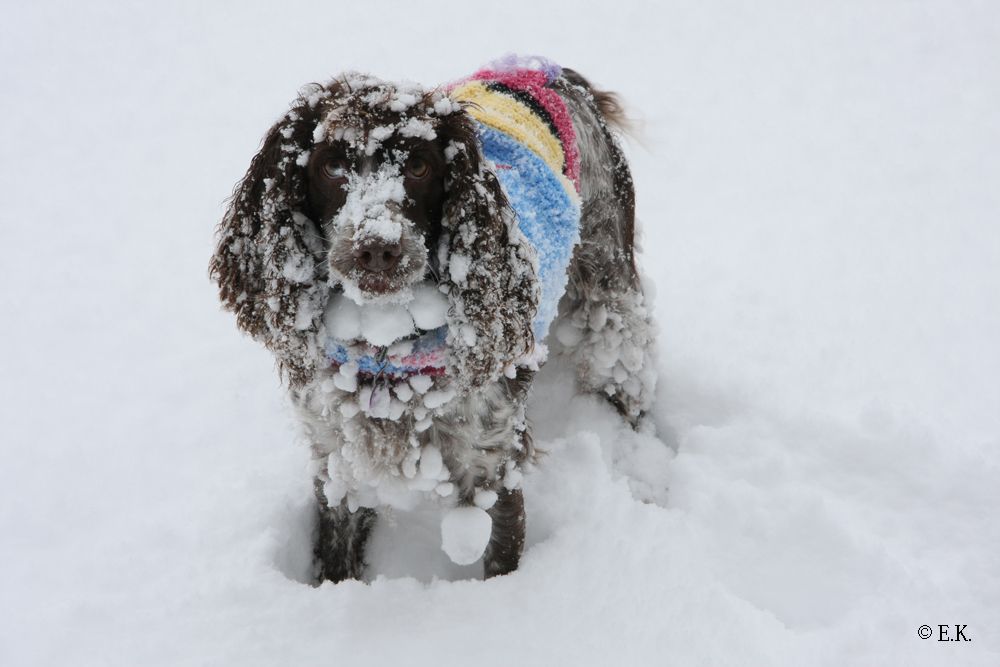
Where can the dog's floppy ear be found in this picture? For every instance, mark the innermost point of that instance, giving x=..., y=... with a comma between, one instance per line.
x=490, y=267
x=268, y=258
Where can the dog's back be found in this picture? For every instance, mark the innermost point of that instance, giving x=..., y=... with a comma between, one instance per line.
x=605, y=324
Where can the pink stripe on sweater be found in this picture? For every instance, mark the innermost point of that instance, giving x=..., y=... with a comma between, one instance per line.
x=534, y=83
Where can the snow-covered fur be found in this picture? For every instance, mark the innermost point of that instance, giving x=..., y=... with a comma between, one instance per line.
x=405, y=177
x=605, y=324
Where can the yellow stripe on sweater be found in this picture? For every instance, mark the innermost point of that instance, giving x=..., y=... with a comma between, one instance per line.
x=509, y=115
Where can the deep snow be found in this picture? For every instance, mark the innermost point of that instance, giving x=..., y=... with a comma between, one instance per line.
x=817, y=189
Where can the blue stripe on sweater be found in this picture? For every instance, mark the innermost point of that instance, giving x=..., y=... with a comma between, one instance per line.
x=546, y=214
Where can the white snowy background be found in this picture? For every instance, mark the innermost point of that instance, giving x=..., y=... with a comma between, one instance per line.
x=819, y=190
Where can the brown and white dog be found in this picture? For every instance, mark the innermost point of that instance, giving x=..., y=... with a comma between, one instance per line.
x=377, y=248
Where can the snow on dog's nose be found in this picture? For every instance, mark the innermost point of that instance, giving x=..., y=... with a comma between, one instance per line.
x=377, y=254
x=373, y=210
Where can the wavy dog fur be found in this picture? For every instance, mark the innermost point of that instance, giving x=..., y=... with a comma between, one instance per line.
x=273, y=264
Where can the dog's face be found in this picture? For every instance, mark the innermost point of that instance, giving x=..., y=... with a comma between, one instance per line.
x=376, y=189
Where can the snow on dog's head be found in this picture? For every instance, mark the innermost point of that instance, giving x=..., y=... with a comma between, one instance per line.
x=377, y=252
x=376, y=182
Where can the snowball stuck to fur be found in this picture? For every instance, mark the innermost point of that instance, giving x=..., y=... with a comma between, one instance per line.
x=465, y=532
x=375, y=401
x=403, y=391
x=342, y=318
x=384, y=324
x=421, y=383
x=430, y=462
x=346, y=382
x=459, y=268
x=429, y=307
x=438, y=397
x=334, y=489
x=485, y=498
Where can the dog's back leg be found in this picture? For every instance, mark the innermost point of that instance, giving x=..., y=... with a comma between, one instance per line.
x=604, y=322
x=340, y=540
x=507, y=539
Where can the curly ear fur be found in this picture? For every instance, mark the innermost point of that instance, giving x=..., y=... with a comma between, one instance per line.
x=268, y=260
x=491, y=268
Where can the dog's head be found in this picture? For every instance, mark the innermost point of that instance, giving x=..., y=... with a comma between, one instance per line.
x=376, y=186
x=370, y=188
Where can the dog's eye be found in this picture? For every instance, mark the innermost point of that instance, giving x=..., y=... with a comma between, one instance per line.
x=417, y=167
x=336, y=169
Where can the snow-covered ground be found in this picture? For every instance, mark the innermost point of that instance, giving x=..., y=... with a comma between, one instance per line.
x=818, y=189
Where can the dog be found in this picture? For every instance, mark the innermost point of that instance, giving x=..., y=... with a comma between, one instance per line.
x=411, y=256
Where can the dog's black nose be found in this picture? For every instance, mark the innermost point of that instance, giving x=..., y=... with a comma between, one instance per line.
x=378, y=257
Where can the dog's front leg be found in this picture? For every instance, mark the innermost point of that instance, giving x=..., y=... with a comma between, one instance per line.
x=340, y=540
x=507, y=539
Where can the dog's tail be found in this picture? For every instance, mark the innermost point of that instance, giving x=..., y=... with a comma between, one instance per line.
x=609, y=195
x=609, y=104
